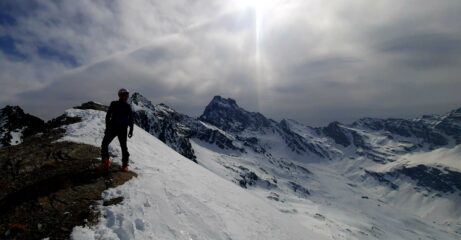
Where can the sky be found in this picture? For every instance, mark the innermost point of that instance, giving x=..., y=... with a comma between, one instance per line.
x=309, y=60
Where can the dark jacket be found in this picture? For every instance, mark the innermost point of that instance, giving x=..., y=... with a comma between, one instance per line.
x=119, y=116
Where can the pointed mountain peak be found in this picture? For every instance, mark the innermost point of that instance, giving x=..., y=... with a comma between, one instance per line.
x=138, y=97
x=8, y=109
x=137, y=100
x=223, y=102
x=226, y=114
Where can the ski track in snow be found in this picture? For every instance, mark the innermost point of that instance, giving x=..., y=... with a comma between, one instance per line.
x=174, y=198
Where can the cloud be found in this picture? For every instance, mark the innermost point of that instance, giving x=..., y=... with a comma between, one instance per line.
x=313, y=61
x=425, y=51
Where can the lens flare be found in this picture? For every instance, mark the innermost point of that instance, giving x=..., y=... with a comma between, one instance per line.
x=260, y=9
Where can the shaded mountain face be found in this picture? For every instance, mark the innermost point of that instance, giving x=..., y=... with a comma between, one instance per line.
x=15, y=125
x=227, y=115
x=406, y=128
x=162, y=122
x=176, y=129
x=450, y=124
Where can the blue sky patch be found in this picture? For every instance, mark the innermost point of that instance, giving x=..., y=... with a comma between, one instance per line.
x=49, y=53
x=8, y=47
x=6, y=19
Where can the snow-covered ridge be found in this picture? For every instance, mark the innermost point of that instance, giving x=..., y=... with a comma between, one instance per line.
x=174, y=198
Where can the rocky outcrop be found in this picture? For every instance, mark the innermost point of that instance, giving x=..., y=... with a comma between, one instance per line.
x=433, y=178
x=428, y=178
x=335, y=132
x=450, y=124
x=93, y=105
x=164, y=123
x=405, y=128
x=15, y=125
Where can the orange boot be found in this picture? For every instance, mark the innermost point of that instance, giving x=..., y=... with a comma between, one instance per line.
x=105, y=165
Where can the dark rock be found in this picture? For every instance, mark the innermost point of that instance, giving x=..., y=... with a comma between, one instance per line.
x=451, y=125
x=405, y=128
x=93, y=105
x=113, y=201
x=252, y=143
x=227, y=115
x=164, y=123
x=383, y=178
x=248, y=179
x=300, y=190
x=319, y=216
x=274, y=196
x=432, y=178
x=334, y=131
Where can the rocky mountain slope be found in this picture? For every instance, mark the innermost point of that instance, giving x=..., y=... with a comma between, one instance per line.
x=15, y=125
x=48, y=186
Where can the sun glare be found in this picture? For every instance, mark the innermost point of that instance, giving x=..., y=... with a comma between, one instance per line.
x=260, y=9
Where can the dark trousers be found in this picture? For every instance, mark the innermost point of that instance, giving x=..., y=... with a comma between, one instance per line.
x=109, y=135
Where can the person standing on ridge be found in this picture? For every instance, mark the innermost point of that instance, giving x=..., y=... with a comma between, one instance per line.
x=118, y=118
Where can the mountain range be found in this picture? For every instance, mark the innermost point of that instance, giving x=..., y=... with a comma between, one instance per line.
x=371, y=179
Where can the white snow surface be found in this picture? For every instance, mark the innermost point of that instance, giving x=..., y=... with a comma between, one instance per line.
x=442, y=157
x=174, y=198
x=16, y=136
x=338, y=207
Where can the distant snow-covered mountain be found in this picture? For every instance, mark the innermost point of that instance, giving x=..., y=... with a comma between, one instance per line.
x=229, y=126
x=286, y=161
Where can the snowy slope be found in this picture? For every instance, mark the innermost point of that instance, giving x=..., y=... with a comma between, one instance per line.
x=334, y=205
x=335, y=178
x=174, y=198
x=425, y=183
x=442, y=157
